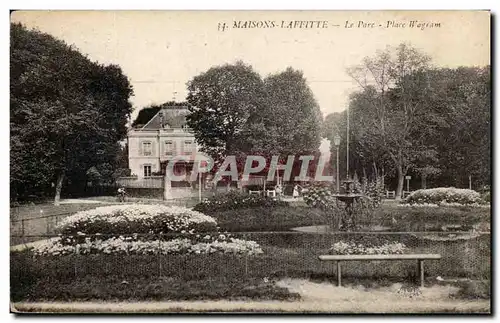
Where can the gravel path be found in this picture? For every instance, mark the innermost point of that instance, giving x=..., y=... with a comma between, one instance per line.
x=21, y=247
x=81, y=201
x=316, y=297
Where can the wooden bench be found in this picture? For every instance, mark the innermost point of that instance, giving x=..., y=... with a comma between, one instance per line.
x=271, y=193
x=419, y=257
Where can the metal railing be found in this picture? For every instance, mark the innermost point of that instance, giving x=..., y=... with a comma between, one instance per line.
x=287, y=254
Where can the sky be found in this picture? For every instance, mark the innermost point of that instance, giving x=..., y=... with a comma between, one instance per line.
x=160, y=51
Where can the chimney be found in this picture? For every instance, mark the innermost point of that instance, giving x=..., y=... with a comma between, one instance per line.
x=161, y=119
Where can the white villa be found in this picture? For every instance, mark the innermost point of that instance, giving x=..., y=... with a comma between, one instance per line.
x=152, y=145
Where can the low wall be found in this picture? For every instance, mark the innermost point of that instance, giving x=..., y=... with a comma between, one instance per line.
x=135, y=182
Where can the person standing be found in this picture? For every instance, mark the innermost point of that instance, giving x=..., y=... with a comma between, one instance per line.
x=121, y=194
x=295, y=191
x=278, y=190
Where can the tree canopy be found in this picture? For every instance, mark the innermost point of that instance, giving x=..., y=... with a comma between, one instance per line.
x=409, y=118
x=236, y=112
x=67, y=113
x=223, y=101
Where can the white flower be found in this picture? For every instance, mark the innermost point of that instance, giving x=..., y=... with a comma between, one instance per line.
x=173, y=217
x=350, y=248
x=118, y=245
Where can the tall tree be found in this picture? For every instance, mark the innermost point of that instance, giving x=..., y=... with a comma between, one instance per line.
x=436, y=119
x=462, y=97
x=234, y=112
x=222, y=101
x=292, y=113
x=71, y=110
x=392, y=113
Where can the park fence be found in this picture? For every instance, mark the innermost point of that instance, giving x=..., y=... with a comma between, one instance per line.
x=285, y=254
x=28, y=228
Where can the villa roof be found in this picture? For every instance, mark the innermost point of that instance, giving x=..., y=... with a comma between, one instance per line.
x=171, y=116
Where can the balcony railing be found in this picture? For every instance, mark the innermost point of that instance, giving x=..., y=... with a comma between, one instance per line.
x=145, y=182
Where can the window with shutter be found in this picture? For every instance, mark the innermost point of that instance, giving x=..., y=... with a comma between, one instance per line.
x=169, y=147
x=188, y=147
x=147, y=148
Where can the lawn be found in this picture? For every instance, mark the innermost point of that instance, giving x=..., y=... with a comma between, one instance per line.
x=415, y=219
x=47, y=209
x=286, y=255
x=37, y=220
x=219, y=276
x=279, y=218
x=391, y=216
x=315, y=298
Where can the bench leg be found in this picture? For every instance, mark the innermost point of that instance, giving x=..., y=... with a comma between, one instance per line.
x=339, y=274
x=421, y=272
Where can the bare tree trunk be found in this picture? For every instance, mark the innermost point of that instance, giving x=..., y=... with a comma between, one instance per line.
x=59, y=184
x=167, y=186
x=383, y=178
x=401, y=178
x=424, y=181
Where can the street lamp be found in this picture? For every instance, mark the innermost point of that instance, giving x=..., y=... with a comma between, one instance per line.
x=347, y=142
x=336, y=142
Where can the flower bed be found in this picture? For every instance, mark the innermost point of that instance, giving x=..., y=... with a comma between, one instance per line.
x=424, y=205
x=353, y=248
x=235, y=200
x=135, y=218
x=129, y=245
x=444, y=196
x=142, y=229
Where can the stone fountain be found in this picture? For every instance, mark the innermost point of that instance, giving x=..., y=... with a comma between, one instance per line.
x=349, y=197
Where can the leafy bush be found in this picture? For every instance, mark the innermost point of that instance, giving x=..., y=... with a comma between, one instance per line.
x=374, y=190
x=474, y=290
x=137, y=218
x=362, y=208
x=444, y=195
x=320, y=196
x=235, y=200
